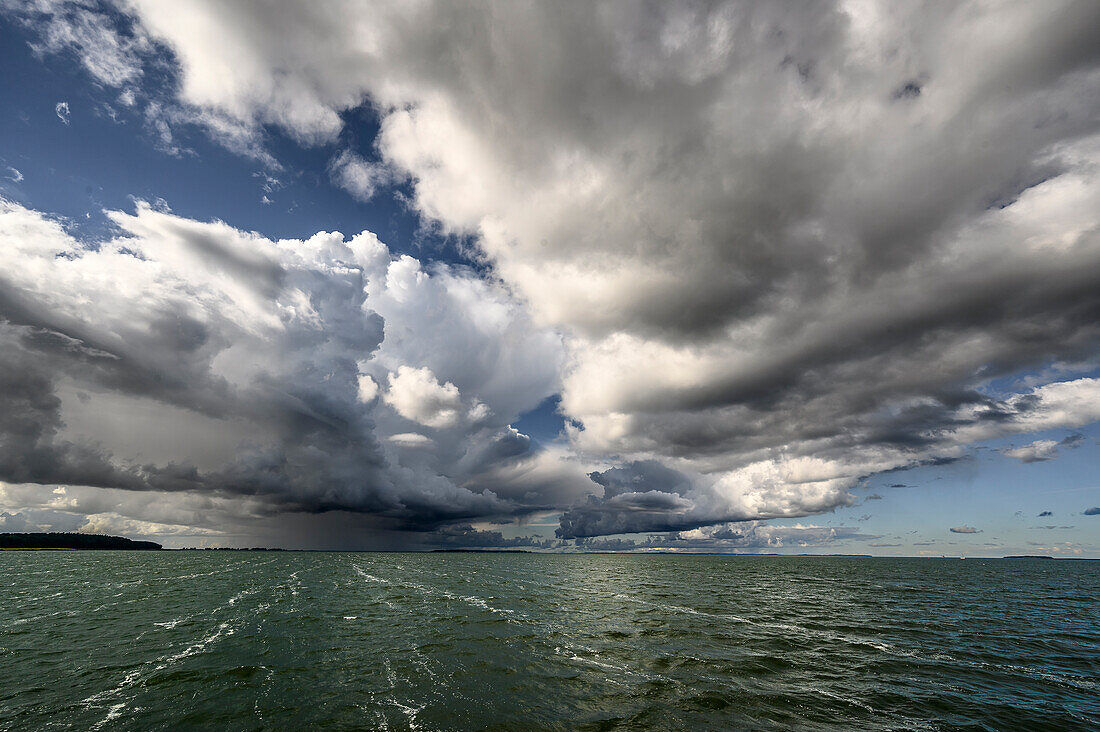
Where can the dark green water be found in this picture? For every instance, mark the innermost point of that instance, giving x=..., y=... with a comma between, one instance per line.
x=219, y=640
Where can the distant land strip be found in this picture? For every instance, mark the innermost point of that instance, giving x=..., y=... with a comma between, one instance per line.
x=72, y=541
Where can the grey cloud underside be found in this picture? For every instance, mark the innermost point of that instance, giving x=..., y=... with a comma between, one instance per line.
x=734, y=537
x=776, y=248
x=461, y=536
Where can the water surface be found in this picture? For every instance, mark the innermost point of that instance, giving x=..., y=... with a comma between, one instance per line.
x=239, y=640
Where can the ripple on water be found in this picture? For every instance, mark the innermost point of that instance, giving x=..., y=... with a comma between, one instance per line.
x=469, y=641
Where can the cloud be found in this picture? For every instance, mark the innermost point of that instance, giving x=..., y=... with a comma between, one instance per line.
x=14, y=175
x=416, y=395
x=467, y=537
x=113, y=524
x=1074, y=440
x=116, y=52
x=357, y=176
x=1046, y=513
x=722, y=270
x=368, y=389
x=111, y=52
x=411, y=439
x=16, y=522
x=647, y=496
x=1042, y=450
x=733, y=537
x=219, y=363
x=873, y=497
x=964, y=530
x=1094, y=511
x=146, y=515
x=1037, y=451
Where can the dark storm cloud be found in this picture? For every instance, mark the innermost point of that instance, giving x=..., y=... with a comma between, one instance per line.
x=628, y=513
x=324, y=459
x=30, y=449
x=639, y=496
x=641, y=477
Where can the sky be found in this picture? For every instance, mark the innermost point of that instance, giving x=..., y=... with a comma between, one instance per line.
x=617, y=276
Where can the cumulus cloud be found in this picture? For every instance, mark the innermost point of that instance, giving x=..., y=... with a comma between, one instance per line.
x=1094, y=511
x=368, y=389
x=1042, y=450
x=416, y=394
x=726, y=273
x=1037, y=451
x=202, y=334
x=964, y=530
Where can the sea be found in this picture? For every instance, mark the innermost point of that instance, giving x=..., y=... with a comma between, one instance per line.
x=176, y=640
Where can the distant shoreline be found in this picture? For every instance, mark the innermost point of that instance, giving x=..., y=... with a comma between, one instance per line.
x=72, y=541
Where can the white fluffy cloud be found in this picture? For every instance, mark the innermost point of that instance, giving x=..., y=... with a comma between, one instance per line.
x=1035, y=452
x=770, y=249
x=417, y=395
x=1043, y=450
